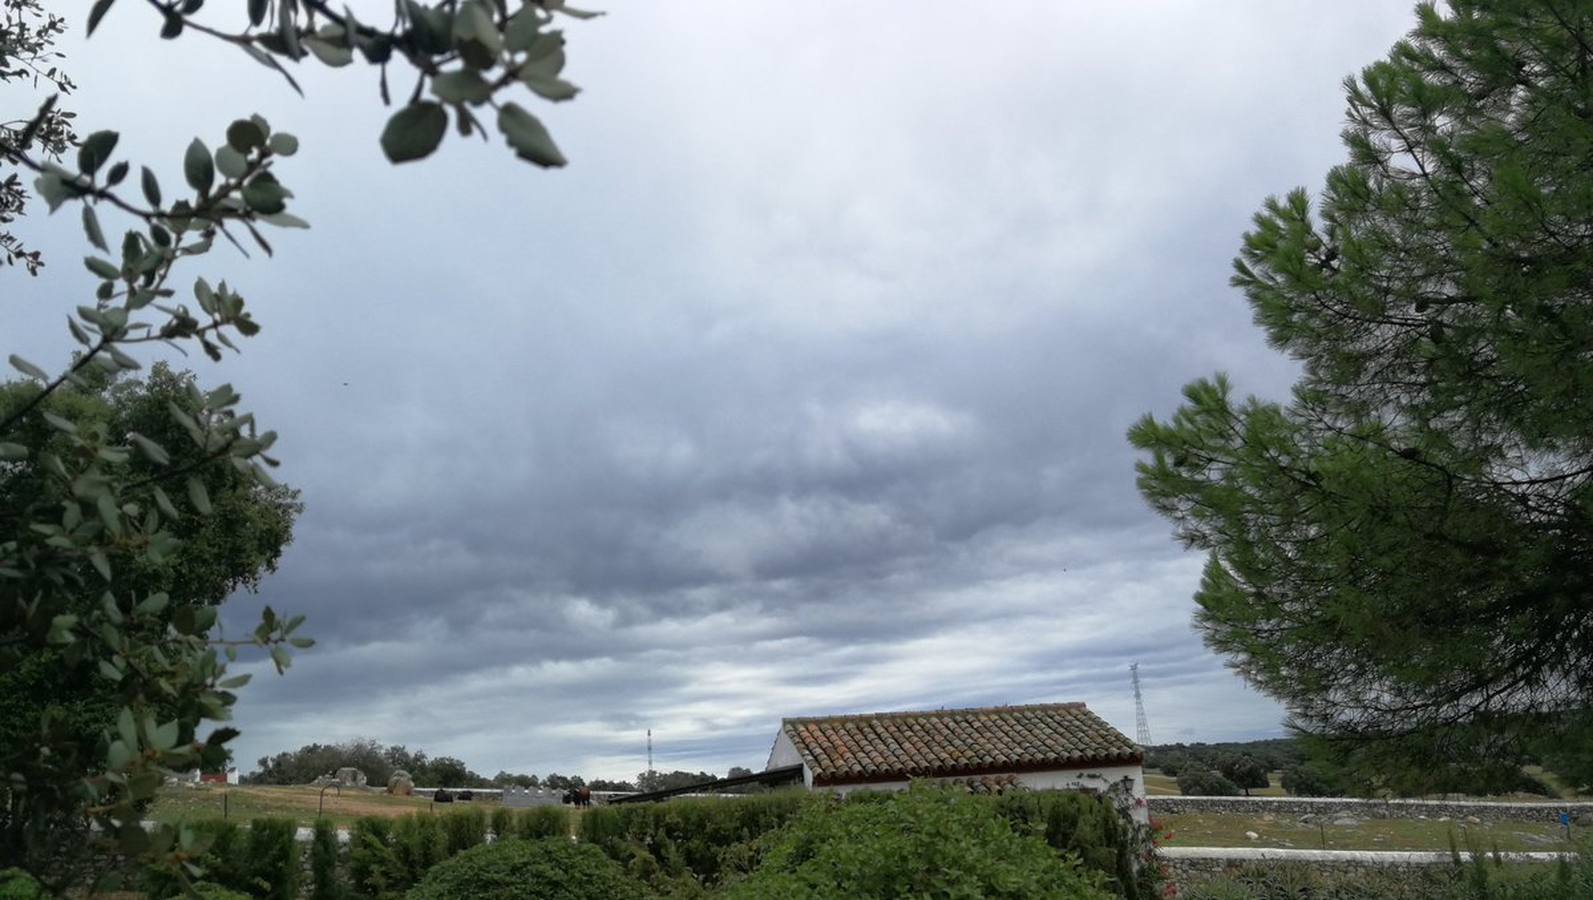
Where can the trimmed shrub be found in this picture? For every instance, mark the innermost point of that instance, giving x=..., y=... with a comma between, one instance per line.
x=273, y=858
x=541, y=822
x=324, y=881
x=554, y=869
x=418, y=844
x=463, y=829
x=223, y=863
x=16, y=884
x=925, y=842
x=502, y=822
x=370, y=858
x=1090, y=828
x=700, y=839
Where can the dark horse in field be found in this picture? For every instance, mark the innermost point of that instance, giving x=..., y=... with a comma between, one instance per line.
x=578, y=796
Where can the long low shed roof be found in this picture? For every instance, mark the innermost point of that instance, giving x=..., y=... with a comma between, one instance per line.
x=948, y=742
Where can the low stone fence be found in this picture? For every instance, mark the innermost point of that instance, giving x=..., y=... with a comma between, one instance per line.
x=1329, y=808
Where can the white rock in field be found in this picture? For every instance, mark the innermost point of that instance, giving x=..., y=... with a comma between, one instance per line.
x=1252, y=835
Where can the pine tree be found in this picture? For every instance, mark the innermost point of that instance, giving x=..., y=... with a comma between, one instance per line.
x=1402, y=553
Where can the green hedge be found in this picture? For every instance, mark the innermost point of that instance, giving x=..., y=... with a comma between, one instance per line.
x=541, y=822
x=273, y=859
x=463, y=829
x=387, y=857
x=1091, y=829
x=325, y=883
x=924, y=842
x=515, y=869
x=502, y=823
x=712, y=841
x=16, y=884
x=261, y=860
x=370, y=858
x=706, y=840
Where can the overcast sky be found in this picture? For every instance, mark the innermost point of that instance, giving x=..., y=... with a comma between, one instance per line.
x=803, y=389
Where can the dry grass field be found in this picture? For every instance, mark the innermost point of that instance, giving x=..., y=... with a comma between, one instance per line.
x=244, y=802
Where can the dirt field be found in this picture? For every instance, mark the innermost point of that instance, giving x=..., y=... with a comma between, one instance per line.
x=244, y=802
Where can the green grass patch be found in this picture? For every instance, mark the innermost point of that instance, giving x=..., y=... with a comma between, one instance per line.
x=1159, y=785
x=1202, y=830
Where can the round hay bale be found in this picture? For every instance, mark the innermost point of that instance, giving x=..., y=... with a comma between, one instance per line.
x=400, y=784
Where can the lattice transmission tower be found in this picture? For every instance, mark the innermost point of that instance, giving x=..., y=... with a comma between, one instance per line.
x=1141, y=724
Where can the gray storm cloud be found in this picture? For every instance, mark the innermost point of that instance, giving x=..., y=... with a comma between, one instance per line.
x=803, y=389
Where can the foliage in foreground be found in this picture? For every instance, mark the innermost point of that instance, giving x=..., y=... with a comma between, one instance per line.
x=920, y=843
x=1399, y=552
x=67, y=589
x=262, y=860
x=553, y=869
x=688, y=847
x=16, y=884
x=684, y=839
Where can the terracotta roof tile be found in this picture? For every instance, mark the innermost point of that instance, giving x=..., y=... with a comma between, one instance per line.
x=939, y=743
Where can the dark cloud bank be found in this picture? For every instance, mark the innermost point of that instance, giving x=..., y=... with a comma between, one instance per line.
x=802, y=390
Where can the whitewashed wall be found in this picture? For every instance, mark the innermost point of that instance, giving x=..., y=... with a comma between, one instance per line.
x=1066, y=779
x=785, y=754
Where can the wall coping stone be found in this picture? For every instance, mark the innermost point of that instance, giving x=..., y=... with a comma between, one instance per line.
x=1582, y=805
x=1355, y=857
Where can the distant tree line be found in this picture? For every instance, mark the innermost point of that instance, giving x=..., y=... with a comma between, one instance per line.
x=376, y=760
x=1316, y=767
x=379, y=762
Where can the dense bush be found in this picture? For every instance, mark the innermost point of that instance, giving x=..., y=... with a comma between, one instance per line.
x=463, y=829
x=701, y=839
x=555, y=869
x=925, y=842
x=223, y=862
x=541, y=822
x=1316, y=779
x=370, y=858
x=324, y=882
x=273, y=858
x=418, y=844
x=502, y=821
x=389, y=856
x=1092, y=830
x=1206, y=783
x=16, y=884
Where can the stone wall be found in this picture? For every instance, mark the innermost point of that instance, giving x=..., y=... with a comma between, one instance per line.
x=1329, y=808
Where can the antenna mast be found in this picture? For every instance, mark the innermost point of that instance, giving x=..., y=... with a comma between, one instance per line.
x=1141, y=724
x=649, y=754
